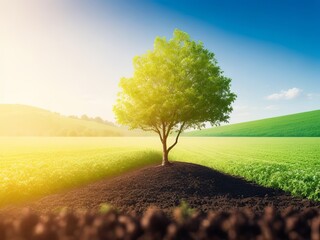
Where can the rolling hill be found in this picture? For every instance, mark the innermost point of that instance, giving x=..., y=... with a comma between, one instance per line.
x=306, y=124
x=22, y=120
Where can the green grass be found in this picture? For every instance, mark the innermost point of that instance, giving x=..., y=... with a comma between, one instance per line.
x=32, y=167
x=305, y=124
x=291, y=164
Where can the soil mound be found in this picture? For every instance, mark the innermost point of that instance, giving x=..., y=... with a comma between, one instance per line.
x=201, y=187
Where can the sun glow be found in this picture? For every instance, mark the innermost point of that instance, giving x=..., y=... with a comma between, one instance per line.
x=52, y=57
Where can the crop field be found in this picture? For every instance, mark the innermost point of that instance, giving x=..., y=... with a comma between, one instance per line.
x=290, y=164
x=33, y=167
x=38, y=166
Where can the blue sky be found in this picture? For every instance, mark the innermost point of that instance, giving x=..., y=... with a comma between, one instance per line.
x=71, y=54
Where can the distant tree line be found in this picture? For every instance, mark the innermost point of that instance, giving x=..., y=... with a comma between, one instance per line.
x=84, y=132
x=93, y=119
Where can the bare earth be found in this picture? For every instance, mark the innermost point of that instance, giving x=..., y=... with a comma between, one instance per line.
x=201, y=187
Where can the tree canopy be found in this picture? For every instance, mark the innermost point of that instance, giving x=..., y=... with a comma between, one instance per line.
x=175, y=86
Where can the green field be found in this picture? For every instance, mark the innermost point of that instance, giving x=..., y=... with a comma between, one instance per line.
x=32, y=167
x=306, y=124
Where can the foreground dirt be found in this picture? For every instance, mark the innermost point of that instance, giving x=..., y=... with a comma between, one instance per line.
x=202, y=188
x=156, y=225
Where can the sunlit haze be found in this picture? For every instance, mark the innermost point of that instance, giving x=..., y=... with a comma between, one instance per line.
x=68, y=56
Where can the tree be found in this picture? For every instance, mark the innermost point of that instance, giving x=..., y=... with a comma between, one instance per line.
x=176, y=86
x=98, y=120
x=85, y=117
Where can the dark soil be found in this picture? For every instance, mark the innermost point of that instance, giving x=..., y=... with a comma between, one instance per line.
x=201, y=187
x=156, y=225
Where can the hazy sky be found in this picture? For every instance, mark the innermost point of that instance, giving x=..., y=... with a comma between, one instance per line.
x=68, y=55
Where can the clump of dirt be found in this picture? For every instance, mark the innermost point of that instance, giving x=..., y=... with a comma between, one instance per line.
x=154, y=224
x=202, y=188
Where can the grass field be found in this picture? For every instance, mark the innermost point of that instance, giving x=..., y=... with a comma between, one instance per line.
x=32, y=167
x=304, y=124
x=37, y=166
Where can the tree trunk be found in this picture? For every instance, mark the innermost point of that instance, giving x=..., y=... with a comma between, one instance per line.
x=165, y=153
x=165, y=160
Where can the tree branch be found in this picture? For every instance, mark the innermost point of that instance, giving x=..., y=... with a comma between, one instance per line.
x=147, y=129
x=158, y=131
x=153, y=129
x=175, y=143
x=172, y=123
x=164, y=137
x=169, y=129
